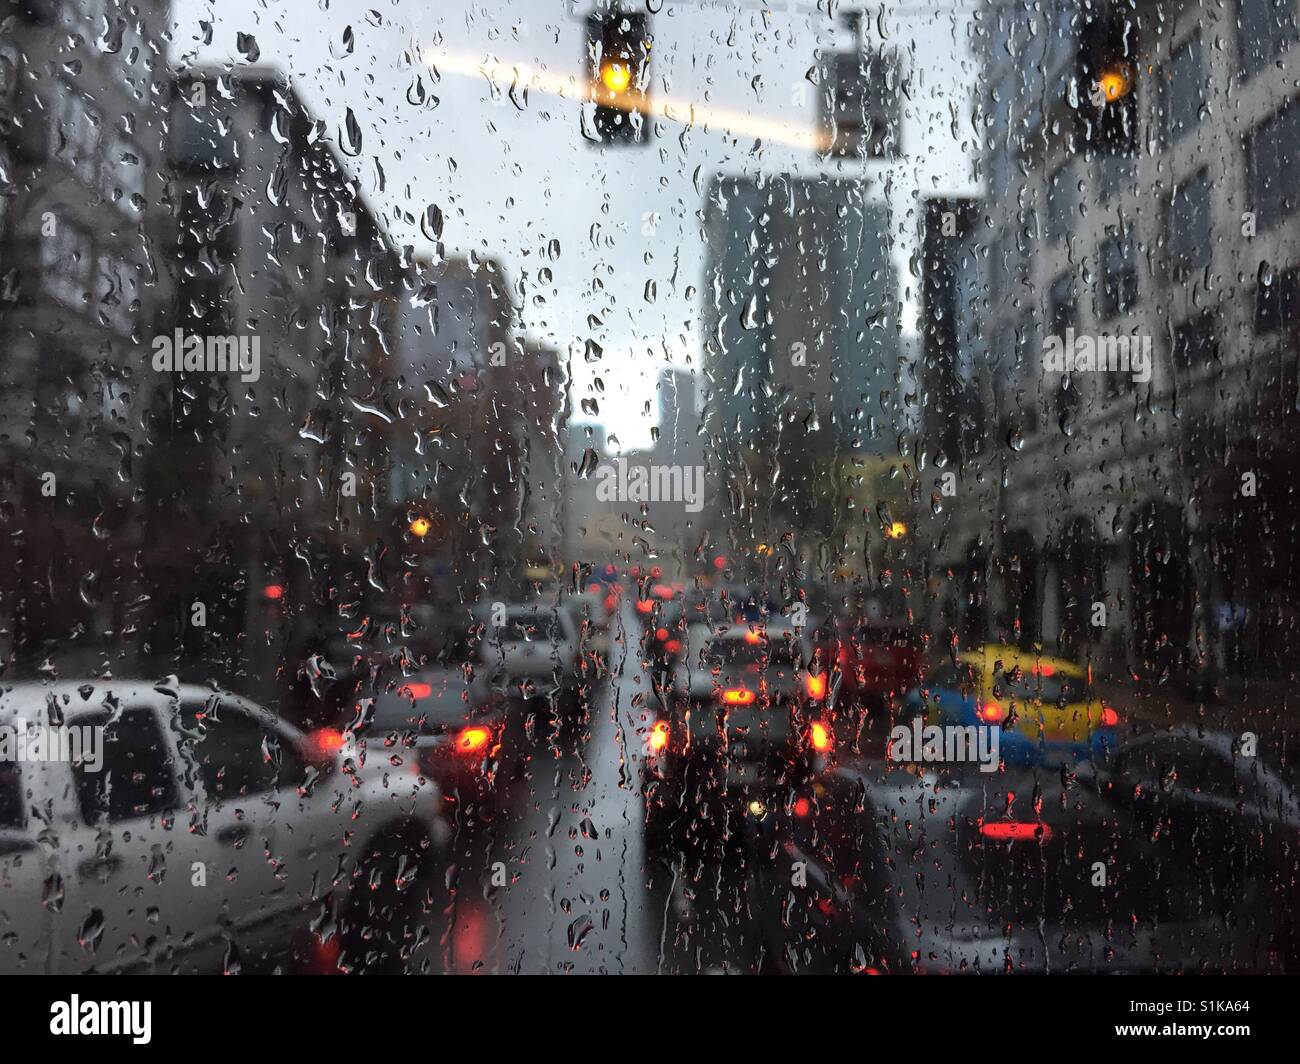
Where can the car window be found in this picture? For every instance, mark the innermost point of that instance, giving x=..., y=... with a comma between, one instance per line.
x=138, y=774
x=238, y=756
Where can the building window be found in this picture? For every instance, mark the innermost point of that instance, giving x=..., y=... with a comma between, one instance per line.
x=1186, y=89
x=1272, y=153
x=1061, y=308
x=1118, y=172
x=1188, y=226
x=1196, y=343
x=1277, y=304
x=1267, y=29
x=1119, y=276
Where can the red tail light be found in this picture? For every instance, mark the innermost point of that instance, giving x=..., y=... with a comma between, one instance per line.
x=673, y=646
x=753, y=637
x=816, y=685
x=473, y=740
x=274, y=592
x=820, y=736
x=644, y=605
x=415, y=690
x=659, y=737
x=323, y=743
x=1016, y=831
x=1109, y=718
x=802, y=807
x=737, y=696
x=661, y=634
x=990, y=712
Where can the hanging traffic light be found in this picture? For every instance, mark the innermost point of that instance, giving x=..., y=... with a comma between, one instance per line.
x=618, y=72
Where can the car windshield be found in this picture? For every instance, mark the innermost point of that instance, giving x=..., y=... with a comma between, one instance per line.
x=669, y=486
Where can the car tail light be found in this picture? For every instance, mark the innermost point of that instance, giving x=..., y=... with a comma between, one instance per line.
x=1016, y=831
x=473, y=740
x=990, y=712
x=1109, y=718
x=802, y=807
x=661, y=634
x=323, y=743
x=273, y=592
x=816, y=685
x=659, y=737
x=662, y=591
x=737, y=696
x=820, y=735
x=644, y=605
x=415, y=690
x=673, y=646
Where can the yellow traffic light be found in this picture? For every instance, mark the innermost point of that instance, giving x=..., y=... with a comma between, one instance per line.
x=615, y=76
x=1115, y=82
x=896, y=530
x=421, y=527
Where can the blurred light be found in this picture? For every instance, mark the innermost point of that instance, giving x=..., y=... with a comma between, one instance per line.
x=816, y=685
x=897, y=530
x=472, y=739
x=661, y=634
x=323, y=743
x=645, y=605
x=1109, y=717
x=1115, y=82
x=802, y=807
x=989, y=712
x=659, y=737
x=821, y=737
x=1046, y=670
x=757, y=808
x=415, y=690
x=274, y=592
x=719, y=562
x=611, y=601
x=673, y=646
x=752, y=637
x=421, y=527
x=615, y=76
x=662, y=591
x=1015, y=831
x=737, y=696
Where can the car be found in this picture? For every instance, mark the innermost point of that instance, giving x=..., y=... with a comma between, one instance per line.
x=533, y=648
x=449, y=727
x=744, y=722
x=1045, y=706
x=205, y=833
x=917, y=870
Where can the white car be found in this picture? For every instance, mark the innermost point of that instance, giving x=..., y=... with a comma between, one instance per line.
x=196, y=822
x=533, y=646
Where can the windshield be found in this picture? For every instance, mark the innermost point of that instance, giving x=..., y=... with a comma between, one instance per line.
x=627, y=444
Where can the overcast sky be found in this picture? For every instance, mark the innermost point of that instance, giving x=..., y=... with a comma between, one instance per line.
x=512, y=177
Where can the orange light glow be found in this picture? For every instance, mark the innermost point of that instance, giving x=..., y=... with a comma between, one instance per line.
x=615, y=76
x=644, y=605
x=738, y=696
x=1115, y=83
x=659, y=737
x=816, y=685
x=753, y=637
x=471, y=740
x=990, y=712
x=662, y=591
x=415, y=690
x=673, y=646
x=1109, y=717
x=896, y=530
x=1016, y=831
x=821, y=737
x=661, y=634
x=274, y=592
x=802, y=807
x=421, y=527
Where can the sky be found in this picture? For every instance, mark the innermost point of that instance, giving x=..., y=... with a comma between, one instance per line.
x=475, y=107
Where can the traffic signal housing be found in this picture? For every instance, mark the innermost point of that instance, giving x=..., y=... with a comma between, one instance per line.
x=618, y=73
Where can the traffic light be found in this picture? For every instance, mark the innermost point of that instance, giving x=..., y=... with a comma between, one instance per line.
x=618, y=74
x=1107, y=113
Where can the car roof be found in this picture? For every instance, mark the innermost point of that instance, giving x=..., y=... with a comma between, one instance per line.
x=87, y=695
x=989, y=655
